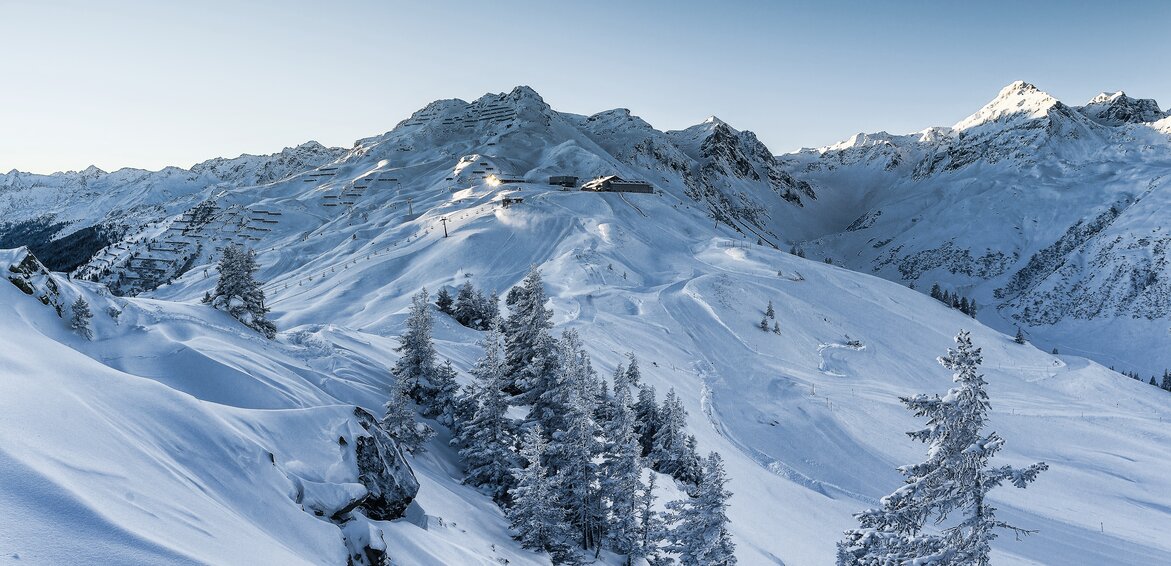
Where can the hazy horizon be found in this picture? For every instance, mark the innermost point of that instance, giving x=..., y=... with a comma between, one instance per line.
x=134, y=84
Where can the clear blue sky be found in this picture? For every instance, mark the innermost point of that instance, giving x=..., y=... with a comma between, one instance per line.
x=149, y=84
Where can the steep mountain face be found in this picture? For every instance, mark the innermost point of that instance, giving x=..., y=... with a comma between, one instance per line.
x=1045, y=214
x=65, y=218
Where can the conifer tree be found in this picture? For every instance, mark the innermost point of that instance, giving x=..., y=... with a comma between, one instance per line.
x=238, y=293
x=652, y=529
x=443, y=301
x=701, y=536
x=465, y=309
x=81, y=317
x=633, y=374
x=769, y=312
x=954, y=479
x=622, y=473
x=776, y=327
x=537, y=516
x=936, y=292
x=528, y=347
x=669, y=452
x=646, y=418
x=489, y=435
x=441, y=405
x=1166, y=383
x=1020, y=336
x=415, y=370
x=575, y=446
x=399, y=421
x=764, y=324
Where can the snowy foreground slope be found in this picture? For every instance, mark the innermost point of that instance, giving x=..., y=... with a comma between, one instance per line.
x=150, y=443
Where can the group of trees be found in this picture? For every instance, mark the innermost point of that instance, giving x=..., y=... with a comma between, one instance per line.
x=954, y=300
x=949, y=489
x=770, y=314
x=571, y=474
x=470, y=307
x=1164, y=383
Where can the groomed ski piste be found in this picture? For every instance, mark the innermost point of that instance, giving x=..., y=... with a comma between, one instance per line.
x=152, y=443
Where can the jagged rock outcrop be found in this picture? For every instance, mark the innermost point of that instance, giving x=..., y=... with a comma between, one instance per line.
x=390, y=483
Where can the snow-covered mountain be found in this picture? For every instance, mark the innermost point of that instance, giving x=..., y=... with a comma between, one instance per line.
x=1048, y=215
x=177, y=435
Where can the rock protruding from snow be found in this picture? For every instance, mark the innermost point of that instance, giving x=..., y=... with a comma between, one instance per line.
x=29, y=275
x=389, y=480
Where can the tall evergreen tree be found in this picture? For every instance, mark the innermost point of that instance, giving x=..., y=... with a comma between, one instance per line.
x=633, y=374
x=955, y=478
x=646, y=418
x=528, y=347
x=701, y=536
x=769, y=312
x=652, y=529
x=669, y=452
x=415, y=370
x=441, y=405
x=575, y=445
x=622, y=476
x=1020, y=336
x=238, y=292
x=465, y=309
x=537, y=515
x=80, y=318
x=1166, y=383
x=489, y=435
x=936, y=292
x=399, y=420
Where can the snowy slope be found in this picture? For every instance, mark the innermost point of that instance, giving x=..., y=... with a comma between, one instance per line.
x=1046, y=214
x=808, y=424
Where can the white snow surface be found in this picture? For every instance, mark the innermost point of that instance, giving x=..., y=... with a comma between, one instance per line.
x=151, y=443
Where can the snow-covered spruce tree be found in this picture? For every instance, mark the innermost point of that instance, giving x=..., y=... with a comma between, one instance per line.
x=465, y=311
x=700, y=536
x=81, y=316
x=1166, y=383
x=400, y=423
x=238, y=293
x=954, y=479
x=646, y=418
x=1020, y=336
x=441, y=405
x=669, y=451
x=527, y=343
x=769, y=312
x=487, y=438
x=537, y=515
x=443, y=301
x=575, y=446
x=487, y=309
x=622, y=477
x=549, y=391
x=764, y=324
x=651, y=529
x=633, y=374
x=415, y=370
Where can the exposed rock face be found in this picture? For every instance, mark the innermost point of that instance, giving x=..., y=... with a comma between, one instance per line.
x=1116, y=108
x=382, y=469
x=30, y=276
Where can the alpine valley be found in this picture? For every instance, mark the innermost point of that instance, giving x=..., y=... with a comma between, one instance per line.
x=173, y=433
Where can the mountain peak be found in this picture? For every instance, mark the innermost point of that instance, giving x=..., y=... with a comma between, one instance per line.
x=1115, y=108
x=1019, y=100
